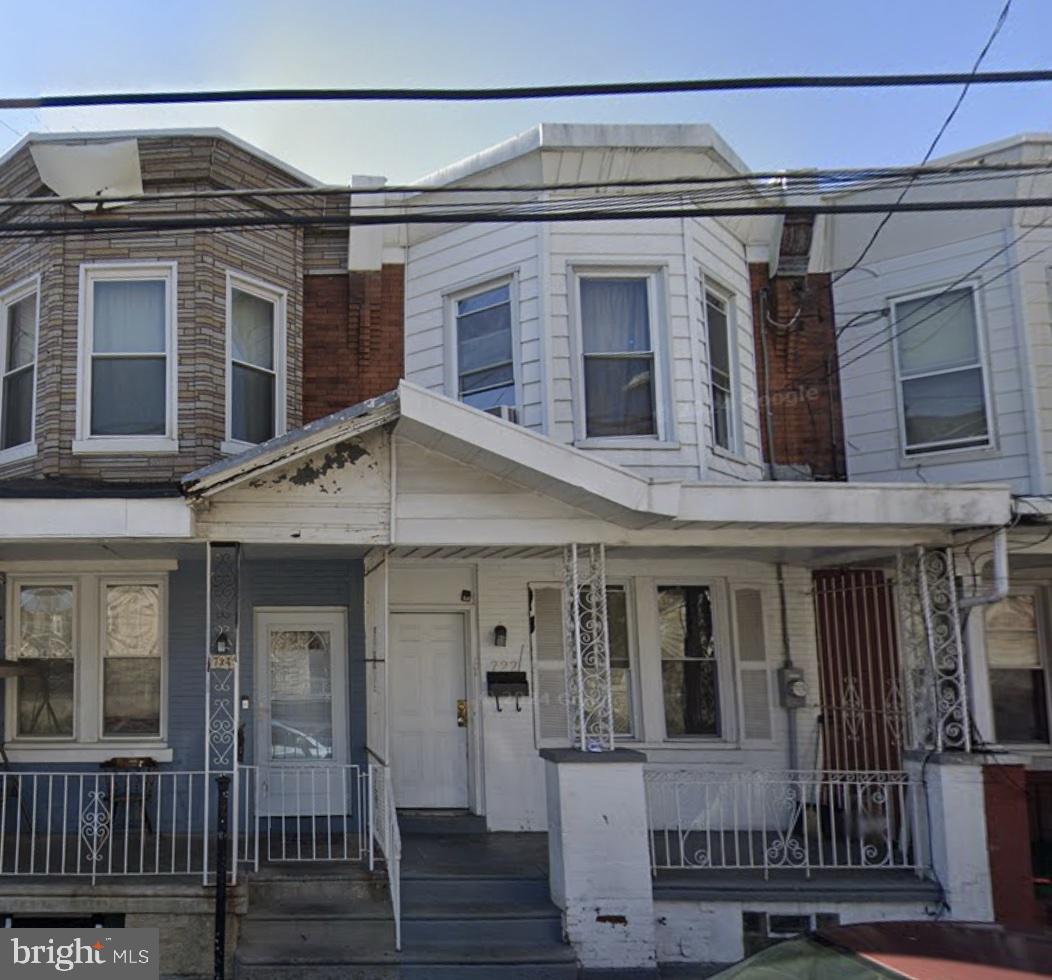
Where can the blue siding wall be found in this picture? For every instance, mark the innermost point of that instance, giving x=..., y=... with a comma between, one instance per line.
x=263, y=583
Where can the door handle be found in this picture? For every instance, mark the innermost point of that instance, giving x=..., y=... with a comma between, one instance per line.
x=462, y=713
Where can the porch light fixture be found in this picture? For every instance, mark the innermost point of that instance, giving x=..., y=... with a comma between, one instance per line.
x=222, y=644
x=500, y=636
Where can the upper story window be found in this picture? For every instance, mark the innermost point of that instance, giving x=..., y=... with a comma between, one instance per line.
x=618, y=355
x=1016, y=658
x=485, y=360
x=718, y=327
x=942, y=381
x=18, y=357
x=256, y=362
x=127, y=397
x=96, y=643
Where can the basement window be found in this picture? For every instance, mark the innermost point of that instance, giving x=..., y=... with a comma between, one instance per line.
x=255, y=362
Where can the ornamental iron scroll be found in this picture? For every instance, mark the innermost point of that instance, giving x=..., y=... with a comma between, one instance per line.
x=930, y=622
x=587, y=648
x=224, y=564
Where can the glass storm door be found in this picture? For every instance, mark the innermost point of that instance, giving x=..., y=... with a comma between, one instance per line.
x=301, y=693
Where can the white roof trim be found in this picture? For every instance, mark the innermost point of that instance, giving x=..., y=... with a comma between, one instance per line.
x=32, y=519
x=212, y=132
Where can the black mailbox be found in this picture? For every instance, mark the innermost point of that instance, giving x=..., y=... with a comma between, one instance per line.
x=507, y=684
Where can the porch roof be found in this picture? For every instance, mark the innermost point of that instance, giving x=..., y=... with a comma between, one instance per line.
x=598, y=489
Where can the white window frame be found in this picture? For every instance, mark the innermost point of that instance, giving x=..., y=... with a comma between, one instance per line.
x=726, y=673
x=85, y=441
x=450, y=300
x=657, y=309
x=280, y=298
x=925, y=450
x=88, y=743
x=9, y=297
x=729, y=300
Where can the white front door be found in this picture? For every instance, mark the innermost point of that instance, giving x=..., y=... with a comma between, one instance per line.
x=301, y=699
x=429, y=744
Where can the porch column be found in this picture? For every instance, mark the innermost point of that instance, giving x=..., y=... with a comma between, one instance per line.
x=221, y=681
x=588, y=697
x=599, y=856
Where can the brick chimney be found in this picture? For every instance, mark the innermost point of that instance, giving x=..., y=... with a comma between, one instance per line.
x=801, y=421
x=353, y=323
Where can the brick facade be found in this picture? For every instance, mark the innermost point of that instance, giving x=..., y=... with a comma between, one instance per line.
x=799, y=384
x=353, y=338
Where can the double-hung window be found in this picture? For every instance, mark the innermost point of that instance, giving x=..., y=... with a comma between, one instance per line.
x=256, y=369
x=18, y=358
x=1016, y=664
x=689, y=661
x=91, y=647
x=721, y=370
x=618, y=355
x=941, y=378
x=485, y=360
x=127, y=396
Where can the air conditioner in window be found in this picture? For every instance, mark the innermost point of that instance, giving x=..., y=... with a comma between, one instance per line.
x=510, y=413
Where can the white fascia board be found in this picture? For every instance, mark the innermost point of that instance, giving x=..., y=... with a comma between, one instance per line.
x=533, y=460
x=855, y=504
x=28, y=519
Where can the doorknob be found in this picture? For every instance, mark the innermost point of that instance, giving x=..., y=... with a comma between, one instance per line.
x=462, y=713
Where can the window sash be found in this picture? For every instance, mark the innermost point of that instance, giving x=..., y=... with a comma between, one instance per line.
x=45, y=663
x=130, y=425
x=719, y=346
x=703, y=673
x=496, y=375
x=17, y=399
x=241, y=427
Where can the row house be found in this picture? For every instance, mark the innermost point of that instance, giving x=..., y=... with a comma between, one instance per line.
x=494, y=586
x=946, y=368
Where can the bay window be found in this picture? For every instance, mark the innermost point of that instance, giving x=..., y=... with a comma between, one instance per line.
x=485, y=361
x=126, y=394
x=18, y=357
x=941, y=377
x=91, y=650
x=255, y=362
x=618, y=355
x=1015, y=656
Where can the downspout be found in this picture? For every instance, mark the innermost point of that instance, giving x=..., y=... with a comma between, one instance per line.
x=999, y=588
x=787, y=663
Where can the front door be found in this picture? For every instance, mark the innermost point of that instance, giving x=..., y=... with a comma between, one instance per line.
x=301, y=694
x=429, y=744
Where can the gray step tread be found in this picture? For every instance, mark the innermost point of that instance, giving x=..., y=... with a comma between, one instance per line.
x=381, y=950
x=301, y=910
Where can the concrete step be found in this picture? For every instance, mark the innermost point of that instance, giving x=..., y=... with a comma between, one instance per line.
x=348, y=886
x=440, y=822
x=455, y=891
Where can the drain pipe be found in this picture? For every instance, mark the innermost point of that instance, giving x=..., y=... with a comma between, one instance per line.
x=788, y=670
x=999, y=589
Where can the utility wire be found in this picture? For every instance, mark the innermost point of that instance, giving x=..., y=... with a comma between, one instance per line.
x=511, y=93
x=538, y=212
x=1002, y=17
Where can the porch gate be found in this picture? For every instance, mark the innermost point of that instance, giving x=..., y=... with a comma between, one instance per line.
x=862, y=711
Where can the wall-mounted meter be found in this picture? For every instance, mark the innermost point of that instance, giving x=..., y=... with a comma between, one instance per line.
x=792, y=688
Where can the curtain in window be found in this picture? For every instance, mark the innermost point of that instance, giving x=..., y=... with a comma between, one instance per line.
x=254, y=381
x=132, y=664
x=618, y=358
x=17, y=407
x=129, y=373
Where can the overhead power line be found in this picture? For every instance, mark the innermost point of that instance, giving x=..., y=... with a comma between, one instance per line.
x=1001, y=18
x=853, y=180
x=505, y=94
x=396, y=215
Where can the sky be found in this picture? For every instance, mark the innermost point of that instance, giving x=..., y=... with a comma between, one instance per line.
x=68, y=46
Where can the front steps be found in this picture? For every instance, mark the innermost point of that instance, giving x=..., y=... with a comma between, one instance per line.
x=472, y=908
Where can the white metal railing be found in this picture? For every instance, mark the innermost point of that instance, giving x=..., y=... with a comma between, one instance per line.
x=302, y=813
x=705, y=818
x=95, y=824
x=386, y=837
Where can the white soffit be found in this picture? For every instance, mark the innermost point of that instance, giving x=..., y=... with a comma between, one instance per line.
x=102, y=170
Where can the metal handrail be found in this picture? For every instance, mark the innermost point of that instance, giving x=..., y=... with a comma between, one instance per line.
x=385, y=833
